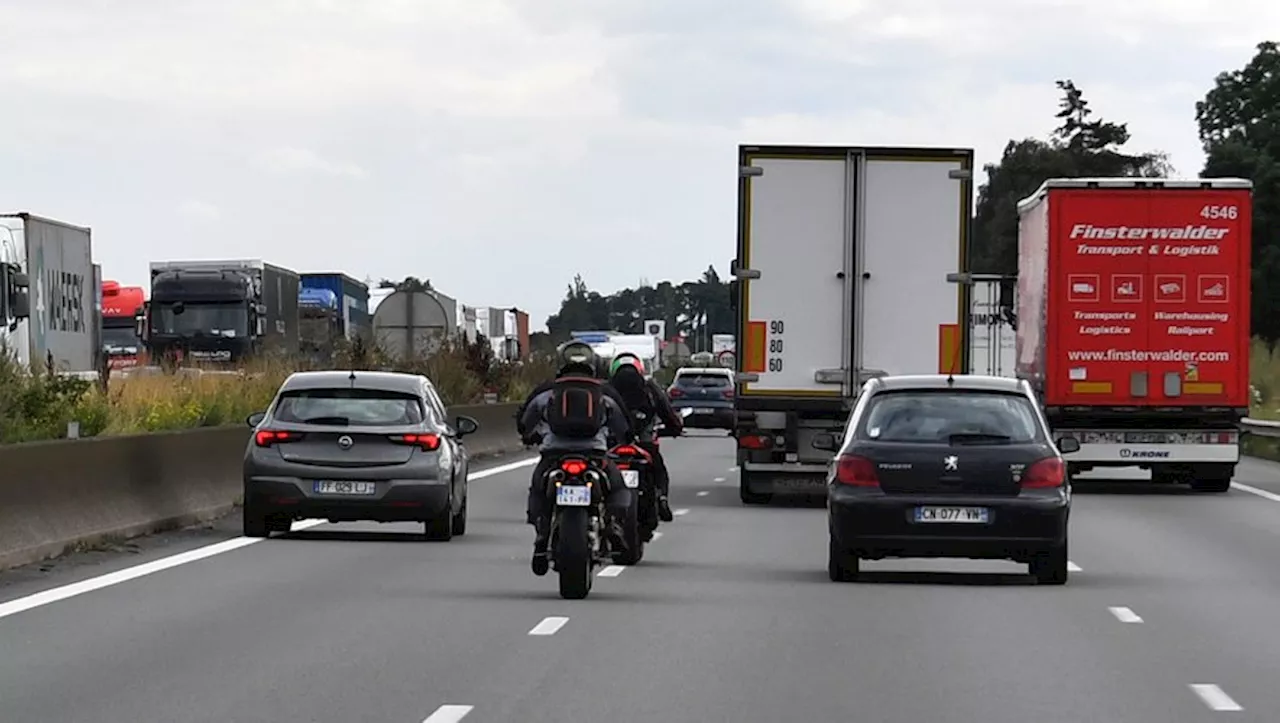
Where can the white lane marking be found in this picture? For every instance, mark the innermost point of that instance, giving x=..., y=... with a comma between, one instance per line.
x=733, y=469
x=48, y=597
x=449, y=714
x=1072, y=567
x=611, y=571
x=681, y=511
x=1255, y=491
x=703, y=493
x=718, y=479
x=549, y=625
x=656, y=536
x=1214, y=697
x=1125, y=615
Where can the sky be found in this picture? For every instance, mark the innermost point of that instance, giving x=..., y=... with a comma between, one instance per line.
x=498, y=147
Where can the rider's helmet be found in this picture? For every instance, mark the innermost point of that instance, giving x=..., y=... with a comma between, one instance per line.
x=625, y=359
x=576, y=358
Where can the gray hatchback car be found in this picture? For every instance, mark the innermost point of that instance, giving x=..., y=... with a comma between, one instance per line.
x=360, y=445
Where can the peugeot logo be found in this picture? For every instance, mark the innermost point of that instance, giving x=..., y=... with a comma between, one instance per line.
x=345, y=442
x=949, y=463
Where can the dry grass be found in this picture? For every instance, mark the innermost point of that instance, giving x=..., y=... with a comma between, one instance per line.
x=33, y=408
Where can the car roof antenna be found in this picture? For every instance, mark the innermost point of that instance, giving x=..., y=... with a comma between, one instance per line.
x=951, y=379
x=352, y=377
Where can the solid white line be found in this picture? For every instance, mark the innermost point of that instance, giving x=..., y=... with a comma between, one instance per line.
x=681, y=511
x=1072, y=567
x=48, y=597
x=1214, y=697
x=449, y=714
x=549, y=626
x=703, y=493
x=611, y=571
x=1255, y=491
x=718, y=479
x=1125, y=615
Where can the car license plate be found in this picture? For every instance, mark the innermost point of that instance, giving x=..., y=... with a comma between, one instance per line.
x=704, y=410
x=573, y=496
x=343, y=487
x=630, y=477
x=978, y=515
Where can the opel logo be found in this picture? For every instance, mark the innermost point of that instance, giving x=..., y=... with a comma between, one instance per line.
x=345, y=442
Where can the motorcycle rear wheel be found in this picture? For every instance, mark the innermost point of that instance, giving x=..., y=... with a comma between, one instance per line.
x=573, y=553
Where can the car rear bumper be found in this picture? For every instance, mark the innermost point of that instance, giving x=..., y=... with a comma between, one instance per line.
x=706, y=415
x=879, y=525
x=392, y=501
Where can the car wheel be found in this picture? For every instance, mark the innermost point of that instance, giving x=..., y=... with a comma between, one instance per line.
x=749, y=497
x=1050, y=568
x=459, y=522
x=256, y=523
x=440, y=529
x=842, y=565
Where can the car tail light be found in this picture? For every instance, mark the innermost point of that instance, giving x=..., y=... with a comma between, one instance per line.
x=1048, y=472
x=573, y=467
x=728, y=394
x=428, y=442
x=856, y=471
x=268, y=437
x=674, y=393
x=755, y=441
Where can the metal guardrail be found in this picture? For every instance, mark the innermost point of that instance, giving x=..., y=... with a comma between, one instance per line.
x=1260, y=427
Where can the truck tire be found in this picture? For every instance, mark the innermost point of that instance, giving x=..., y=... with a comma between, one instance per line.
x=744, y=489
x=1215, y=478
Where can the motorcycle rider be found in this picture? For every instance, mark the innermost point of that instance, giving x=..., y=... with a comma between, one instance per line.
x=574, y=414
x=641, y=394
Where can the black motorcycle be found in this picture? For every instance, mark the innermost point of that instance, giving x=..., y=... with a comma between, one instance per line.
x=636, y=465
x=577, y=544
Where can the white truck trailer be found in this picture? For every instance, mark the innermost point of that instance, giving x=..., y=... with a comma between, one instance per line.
x=845, y=267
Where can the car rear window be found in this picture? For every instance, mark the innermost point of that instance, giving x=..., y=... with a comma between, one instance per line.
x=703, y=379
x=354, y=407
x=930, y=417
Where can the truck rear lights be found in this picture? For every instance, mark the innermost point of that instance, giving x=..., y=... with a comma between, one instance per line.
x=856, y=471
x=427, y=442
x=268, y=437
x=755, y=441
x=1048, y=472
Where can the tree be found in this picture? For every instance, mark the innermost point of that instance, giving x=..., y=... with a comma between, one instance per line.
x=410, y=284
x=1239, y=126
x=1083, y=145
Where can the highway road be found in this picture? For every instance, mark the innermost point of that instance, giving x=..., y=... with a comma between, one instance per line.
x=1170, y=617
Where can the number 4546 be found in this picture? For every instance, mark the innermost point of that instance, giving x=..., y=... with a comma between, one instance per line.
x=1220, y=212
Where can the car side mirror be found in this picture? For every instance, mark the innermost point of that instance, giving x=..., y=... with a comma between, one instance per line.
x=824, y=442
x=466, y=425
x=253, y=420
x=1067, y=445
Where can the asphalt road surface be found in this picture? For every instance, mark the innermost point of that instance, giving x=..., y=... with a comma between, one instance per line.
x=1168, y=617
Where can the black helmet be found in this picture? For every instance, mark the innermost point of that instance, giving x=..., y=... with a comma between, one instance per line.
x=576, y=358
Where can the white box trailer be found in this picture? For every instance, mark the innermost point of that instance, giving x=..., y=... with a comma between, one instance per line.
x=843, y=266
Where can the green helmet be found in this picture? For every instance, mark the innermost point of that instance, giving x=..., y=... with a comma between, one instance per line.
x=576, y=357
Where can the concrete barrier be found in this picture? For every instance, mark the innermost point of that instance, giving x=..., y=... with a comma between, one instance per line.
x=57, y=495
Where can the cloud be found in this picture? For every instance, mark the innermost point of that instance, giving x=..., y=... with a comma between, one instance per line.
x=504, y=145
x=302, y=160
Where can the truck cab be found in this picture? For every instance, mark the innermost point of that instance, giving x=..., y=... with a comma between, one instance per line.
x=15, y=302
x=120, y=307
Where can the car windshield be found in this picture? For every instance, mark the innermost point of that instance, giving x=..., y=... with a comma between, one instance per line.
x=949, y=417
x=355, y=407
x=212, y=319
x=117, y=337
x=703, y=379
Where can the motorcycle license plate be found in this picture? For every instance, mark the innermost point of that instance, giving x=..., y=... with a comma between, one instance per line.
x=573, y=496
x=631, y=478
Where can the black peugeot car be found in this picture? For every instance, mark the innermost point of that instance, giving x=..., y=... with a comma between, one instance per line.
x=940, y=466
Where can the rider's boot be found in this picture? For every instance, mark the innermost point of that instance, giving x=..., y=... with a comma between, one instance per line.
x=540, y=563
x=664, y=509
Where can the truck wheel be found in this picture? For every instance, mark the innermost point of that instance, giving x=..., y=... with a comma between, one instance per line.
x=1213, y=478
x=744, y=489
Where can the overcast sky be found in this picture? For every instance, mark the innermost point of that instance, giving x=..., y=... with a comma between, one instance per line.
x=499, y=146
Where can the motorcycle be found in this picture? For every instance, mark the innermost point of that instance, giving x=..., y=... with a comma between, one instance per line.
x=577, y=537
x=636, y=465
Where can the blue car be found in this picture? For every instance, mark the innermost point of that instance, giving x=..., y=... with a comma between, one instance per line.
x=704, y=396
